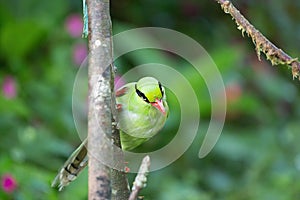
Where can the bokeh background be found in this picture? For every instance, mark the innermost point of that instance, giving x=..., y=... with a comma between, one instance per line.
x=258, y=153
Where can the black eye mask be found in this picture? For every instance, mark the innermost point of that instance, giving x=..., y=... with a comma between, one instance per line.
x=161, y=90
x=142, y=95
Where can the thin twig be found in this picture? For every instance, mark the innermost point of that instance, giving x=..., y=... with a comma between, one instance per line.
x=140, y=179
x=262, y=44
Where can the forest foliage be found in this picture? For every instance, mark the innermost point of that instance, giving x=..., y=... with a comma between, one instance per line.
x=258, y=153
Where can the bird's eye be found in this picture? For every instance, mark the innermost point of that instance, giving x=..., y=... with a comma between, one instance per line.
x=142, y=95
x=160, y=88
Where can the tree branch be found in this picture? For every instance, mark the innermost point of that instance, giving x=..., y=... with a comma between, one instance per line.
x=99, y=98
x=102, y=109
x=262, y=44
x=141, y=178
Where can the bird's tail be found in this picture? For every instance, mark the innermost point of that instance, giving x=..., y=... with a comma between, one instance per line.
x=72, y=167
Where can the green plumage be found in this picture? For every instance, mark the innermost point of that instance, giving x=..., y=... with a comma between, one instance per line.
x=142, y=112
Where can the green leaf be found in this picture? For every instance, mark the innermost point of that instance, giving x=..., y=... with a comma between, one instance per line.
x=18, y=39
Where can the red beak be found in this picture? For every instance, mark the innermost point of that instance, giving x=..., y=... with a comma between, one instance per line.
x=159, y=105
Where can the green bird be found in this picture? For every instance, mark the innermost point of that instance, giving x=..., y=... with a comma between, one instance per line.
x=142, y=112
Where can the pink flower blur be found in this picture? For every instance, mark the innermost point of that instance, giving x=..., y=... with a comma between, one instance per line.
x=119, y=81
x=74, y=25
x=9, y=87
x=79, y=53
x=190, y=9
x=233, y=92
x=8, y=183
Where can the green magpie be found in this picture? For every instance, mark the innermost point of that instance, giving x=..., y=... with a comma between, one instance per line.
x=142, y=111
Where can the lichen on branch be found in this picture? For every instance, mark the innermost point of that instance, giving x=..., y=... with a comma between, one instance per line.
x=141, y=178
x=262, y=44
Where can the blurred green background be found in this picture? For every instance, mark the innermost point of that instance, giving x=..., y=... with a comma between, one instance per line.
x=258, y=153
